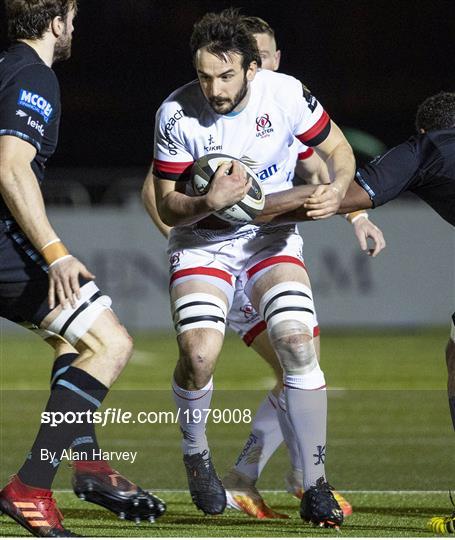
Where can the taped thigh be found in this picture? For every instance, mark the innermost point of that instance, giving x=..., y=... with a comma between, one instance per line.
x=215, y=276
x=199, y=310
x=289, y=312
x=288, y=301
x=73, y=323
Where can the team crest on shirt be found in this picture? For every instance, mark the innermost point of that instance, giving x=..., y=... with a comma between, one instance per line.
x=248, y=311
x=174, y=260
x=263, y=126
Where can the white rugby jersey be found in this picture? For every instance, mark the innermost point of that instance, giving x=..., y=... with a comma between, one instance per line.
x=279, y=110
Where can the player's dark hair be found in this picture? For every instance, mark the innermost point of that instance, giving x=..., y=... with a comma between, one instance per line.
x=29, y=19
x=256, y=25
x=436, y=112
x=224, y=34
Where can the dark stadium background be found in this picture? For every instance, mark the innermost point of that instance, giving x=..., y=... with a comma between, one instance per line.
x=370, y=62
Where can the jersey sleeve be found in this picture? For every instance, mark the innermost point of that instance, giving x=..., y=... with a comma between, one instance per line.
x=172, y=160
x=29, y=104
x=311, y=123
x=390, y=174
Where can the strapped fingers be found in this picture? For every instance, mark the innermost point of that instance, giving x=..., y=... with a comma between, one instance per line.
x=51, y=294
x=74, y=281
x=62, y=300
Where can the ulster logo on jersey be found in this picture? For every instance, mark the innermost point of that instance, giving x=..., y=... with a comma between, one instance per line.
x=263, y=126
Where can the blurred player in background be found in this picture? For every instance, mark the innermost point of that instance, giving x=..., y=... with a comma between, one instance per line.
x=270, y=425
x=207, y=257
x=423, y=165
x=44, y=287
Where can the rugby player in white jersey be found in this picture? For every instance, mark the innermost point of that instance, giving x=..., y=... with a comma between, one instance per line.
x=255, y=116
x=270, y=425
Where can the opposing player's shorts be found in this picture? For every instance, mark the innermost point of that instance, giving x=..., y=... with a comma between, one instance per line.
x=245, y=321
x=24, y=287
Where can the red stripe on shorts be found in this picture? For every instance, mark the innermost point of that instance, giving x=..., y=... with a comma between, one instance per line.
x=258, y=328
x=202, y=271
x=271, y=261
x=253, y=333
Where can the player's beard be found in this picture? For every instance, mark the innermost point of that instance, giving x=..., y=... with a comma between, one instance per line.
x=62, y=49
x=227, y=105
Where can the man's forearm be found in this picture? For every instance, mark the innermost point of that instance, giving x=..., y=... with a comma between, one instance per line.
x=287, y=206
x=341, y=164
x=286, y=201
x=177, y=209
x=22, y=194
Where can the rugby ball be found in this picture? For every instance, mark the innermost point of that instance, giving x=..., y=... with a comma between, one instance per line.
x=246, y=209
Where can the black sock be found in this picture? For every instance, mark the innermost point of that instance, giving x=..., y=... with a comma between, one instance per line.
x=75, y=391
x=86, y=442
x=452, y=409
x=61, y=365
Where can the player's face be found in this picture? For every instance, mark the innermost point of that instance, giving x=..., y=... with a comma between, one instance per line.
x=62, y=50
x=223, y=81
x=267, y=49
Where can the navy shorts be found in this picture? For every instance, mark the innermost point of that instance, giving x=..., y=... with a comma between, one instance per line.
x=23, y=277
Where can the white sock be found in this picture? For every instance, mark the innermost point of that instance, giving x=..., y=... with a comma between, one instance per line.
x=264, y=439
x=288, y=433
x=306, y=404
x=192, y=418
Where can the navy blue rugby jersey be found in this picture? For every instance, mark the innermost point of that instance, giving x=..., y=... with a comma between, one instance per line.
x=424, y=165
x=29, y=104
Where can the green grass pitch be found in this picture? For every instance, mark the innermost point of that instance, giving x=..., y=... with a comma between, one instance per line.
x=390, y=440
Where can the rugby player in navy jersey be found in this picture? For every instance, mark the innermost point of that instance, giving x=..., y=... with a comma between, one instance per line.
x=44, y=287
x=423, y=165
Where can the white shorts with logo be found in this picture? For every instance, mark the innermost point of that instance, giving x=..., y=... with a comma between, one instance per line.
x=246, y=322
x=233, y=265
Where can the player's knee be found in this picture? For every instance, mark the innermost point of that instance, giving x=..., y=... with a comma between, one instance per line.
x=289, y=312
x=116, y=348
x=122, y=347
x=197, y=358
x=294, y=346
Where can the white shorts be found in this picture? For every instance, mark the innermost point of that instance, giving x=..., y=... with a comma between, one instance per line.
x=234, y=266
x=246, y=322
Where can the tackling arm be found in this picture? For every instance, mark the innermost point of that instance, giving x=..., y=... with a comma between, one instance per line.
x=287, y=206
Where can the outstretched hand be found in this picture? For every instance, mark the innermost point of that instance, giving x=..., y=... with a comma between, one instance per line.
x=364, y=229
